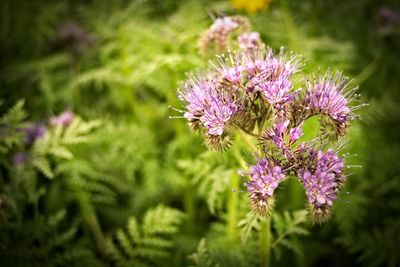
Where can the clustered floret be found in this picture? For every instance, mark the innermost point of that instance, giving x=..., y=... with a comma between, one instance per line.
x=266, y=176
x=218, y=38
x=322, y=177
x=264, y=94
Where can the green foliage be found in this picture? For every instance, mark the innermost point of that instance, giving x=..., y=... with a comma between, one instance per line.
x=147, y=243
x=106, y=174
x=201, y=258
x=10, y=123
x=211, y=176
x=56, y=142
x=376, y=247
x=50, y=241
x=287, y=227
x=250, y=223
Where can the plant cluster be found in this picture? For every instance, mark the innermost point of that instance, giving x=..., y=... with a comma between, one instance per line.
x=265, y=95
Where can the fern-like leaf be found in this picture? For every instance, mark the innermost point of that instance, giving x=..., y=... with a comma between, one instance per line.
x=202, y=258
x=287, y=226
x=146, y=244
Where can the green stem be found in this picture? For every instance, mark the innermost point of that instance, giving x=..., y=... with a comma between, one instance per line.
x=246, y=139
x=90, y=218
x=265, y=243
x=93, y=223
x=232, y=204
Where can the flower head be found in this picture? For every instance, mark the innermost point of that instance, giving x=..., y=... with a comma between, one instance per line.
x=331, y=96
x=266, y=65
x=218, y=35
x=230, y=68
x=207, y=105
x=276, y=91
x=249, y=40
x=264, y=179
x=282, y=135
x=224, y=24
x=321, y=178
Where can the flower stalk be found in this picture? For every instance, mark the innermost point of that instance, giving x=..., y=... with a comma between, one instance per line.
x=232, y=208
x=265, y=242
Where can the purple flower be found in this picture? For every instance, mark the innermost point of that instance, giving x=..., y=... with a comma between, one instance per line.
x=294, y=134
x=64, y=119
x=331, y=96
x=33, y=133
x=19, y=158
x=216, y=115
x=207, y=105
x=230, y=69
x=264, y=179
x=276, y=91
x=249, y=40
x=321, y=178
x=279, y=132
x=263, y=64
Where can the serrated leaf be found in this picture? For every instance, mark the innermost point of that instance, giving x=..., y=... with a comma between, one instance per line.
x=61, y=152
x=43, y=166
x=250, y=223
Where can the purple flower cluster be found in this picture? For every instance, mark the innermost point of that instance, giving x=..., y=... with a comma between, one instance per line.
x=261, y=93
x=322, y=178
x=265, y=177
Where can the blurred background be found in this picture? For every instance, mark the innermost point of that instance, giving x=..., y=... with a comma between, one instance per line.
x=114, y=182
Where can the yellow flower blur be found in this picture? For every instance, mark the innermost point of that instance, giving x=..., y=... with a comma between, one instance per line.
x=251, y=6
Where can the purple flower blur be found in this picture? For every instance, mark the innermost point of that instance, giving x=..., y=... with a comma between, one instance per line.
x=20, y=158
x=217, y=37
x=249, y=40
x=33, y=133
x=64, y=119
